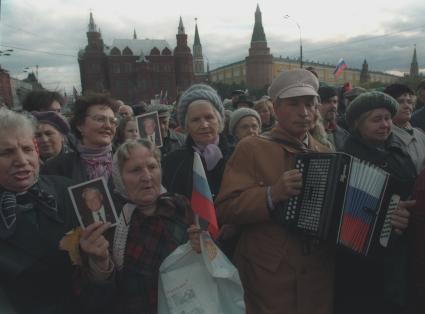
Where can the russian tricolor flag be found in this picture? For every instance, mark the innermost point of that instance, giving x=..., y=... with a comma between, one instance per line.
x=340, y=66
x=202, y=203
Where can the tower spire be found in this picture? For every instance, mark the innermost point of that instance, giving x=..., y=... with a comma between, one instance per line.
x=414, y=68
x=197, y=41
x=181, y=27
x=92, y=25
x=258, y=33
x=134, y=34
x=198, y=58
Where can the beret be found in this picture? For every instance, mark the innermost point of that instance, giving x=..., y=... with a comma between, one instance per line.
x=52, y=118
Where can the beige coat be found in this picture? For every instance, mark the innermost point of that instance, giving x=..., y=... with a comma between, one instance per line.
x=281, y=272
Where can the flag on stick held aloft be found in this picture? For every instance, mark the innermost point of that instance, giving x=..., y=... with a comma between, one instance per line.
x=340, y=66
x=202, y=203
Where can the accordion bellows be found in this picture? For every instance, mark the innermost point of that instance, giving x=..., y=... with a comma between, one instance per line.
x=345, y=194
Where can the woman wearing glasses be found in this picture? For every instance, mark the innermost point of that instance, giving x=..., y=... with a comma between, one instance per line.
x=94, y=125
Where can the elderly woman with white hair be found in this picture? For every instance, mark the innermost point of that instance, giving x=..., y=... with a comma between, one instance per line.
x=201, y=115
x=35, y=213
x=151, y=225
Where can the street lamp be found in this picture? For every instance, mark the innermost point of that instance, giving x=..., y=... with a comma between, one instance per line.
x=287, y=17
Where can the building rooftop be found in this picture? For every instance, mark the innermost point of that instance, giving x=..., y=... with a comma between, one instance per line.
x=139, y=47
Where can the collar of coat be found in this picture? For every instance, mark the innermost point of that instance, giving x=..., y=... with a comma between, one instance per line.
x=293, y=144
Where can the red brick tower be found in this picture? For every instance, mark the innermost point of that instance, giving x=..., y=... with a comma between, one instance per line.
x=259, y=61
x=183, y=60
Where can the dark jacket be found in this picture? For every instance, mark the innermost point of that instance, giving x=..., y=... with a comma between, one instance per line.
x=67, y=165
x=35, y=275
x=418, y=119
x=338, y=138
x=376, y=284
x=178, y=169
x=173, y=141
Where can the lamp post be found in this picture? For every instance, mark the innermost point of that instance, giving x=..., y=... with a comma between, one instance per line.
x=287, y=17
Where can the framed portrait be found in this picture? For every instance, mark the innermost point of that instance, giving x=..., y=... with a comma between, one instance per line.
x=148, y=125
x=93, y=203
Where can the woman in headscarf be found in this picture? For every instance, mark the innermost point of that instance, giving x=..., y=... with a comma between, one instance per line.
x=50, y=134
x=94, y=124
x=151, y=225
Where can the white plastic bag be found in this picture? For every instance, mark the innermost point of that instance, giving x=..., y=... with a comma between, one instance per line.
x=206, y=283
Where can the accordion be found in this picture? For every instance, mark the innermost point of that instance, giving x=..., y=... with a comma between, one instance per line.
x=344, y=196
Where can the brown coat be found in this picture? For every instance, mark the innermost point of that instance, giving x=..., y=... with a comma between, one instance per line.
x=282, y=272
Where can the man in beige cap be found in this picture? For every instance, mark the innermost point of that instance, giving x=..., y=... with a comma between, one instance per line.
x=281, y=271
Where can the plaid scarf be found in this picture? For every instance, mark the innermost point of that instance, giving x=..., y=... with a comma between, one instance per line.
x=150, y=240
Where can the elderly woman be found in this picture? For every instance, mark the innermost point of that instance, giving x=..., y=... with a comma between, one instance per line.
x=244, y=122
x=200, y=114
x=94, y=124
x=377, y=284
x=150, y=227
x=51, y=131
x=127, y=130
x=264, y=107
x=35, y=213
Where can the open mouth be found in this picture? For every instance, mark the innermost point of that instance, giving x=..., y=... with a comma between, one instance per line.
x=22, y=175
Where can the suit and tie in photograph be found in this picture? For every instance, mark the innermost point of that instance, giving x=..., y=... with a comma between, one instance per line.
x=149, y=129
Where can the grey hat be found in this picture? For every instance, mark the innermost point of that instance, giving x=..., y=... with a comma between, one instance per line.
x=163, y=110
x=294, y=83
x=240, y=113
x=54, y=119
x=369, y=101
x=354, y=92
x=198, y=92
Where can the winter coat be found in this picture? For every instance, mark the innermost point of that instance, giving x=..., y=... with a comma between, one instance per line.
x=281, y=271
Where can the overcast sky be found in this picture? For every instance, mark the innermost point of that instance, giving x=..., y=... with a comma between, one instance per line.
x=49, y=33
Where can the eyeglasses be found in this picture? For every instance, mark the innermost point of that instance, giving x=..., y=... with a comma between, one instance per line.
x=113, y=121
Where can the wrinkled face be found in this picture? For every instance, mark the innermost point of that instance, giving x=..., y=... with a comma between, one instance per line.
x=125, y=112
x=164, y=123
x=376, y=127
x=54, y=106
x=265, y=114
x=141, y=176
x=202, y=123
x=149, y=126
x=405, y=110
x=295, y=115
x=99, y=126
x=247, y=126
x=19, y=164
x=328, y=109
x=93, y=200
x=131, y=132
x=49, y=140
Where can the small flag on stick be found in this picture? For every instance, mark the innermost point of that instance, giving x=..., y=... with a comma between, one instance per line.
x=202, y=203
x=340, y=66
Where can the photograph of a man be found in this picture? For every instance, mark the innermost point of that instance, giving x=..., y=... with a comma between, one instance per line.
x=148, y=125
x=92, y=202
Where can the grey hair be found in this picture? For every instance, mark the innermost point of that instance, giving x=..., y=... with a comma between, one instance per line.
x=217, y=114
x=123, y=154
x=91, y=190
x=13, y=121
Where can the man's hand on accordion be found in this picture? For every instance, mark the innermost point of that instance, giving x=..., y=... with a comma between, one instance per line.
x=289, y=184
x=400, y=217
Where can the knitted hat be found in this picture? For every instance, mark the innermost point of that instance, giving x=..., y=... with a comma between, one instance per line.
x=198, y=92
x=369, y=101
x=240, y=113
x=396, y=90
x=163, y=110
x=294, y=83
x=52, y=118
x=326, y=92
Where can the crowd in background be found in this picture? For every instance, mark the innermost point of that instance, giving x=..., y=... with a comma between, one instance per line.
x=246, y=146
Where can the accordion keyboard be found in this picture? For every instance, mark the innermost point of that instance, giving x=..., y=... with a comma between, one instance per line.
x=387, y=228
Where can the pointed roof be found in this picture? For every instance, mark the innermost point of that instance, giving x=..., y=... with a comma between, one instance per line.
x=197, y=41
x=414, y=58
x=181, y=27
x=134, y=34
x=414, y=67
x=92, y=25
x=258, y=33
x=139, y=47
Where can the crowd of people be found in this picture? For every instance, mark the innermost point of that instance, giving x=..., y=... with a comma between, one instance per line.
x=247, y=148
